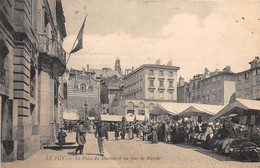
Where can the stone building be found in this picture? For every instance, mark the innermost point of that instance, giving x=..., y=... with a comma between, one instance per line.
x=32, y=62
x=83, y=91
x=208, y=88
x=248, y=81
x=145, y=87
x=109, y=89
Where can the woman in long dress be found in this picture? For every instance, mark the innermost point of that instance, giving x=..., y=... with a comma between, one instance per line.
x=116, y=132
x=154, y=133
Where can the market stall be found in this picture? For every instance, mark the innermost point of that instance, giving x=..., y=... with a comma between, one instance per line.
x=200, y=112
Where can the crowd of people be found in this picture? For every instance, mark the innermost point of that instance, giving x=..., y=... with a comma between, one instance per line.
x=220, y=136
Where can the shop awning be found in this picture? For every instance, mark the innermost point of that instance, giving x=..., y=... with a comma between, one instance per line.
x=200, y=110
x=91, y=118
x=114, y=118
x=70, y=115
x=238, y=106
x=169, y=108
x=141, y=117
x=130, y=117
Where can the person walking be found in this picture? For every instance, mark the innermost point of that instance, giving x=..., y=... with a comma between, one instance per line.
x=116, y=132
x=81, y=137
x=61, y=138
x=154, y=133
x=70, y=126
x=145, y=131
x=101, y=134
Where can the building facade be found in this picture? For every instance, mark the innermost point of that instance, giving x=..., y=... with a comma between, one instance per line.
x=32, y=62
x=152, y=82
x=83, y=91
x=213, y=88
x=145, y=86
x=248, y=82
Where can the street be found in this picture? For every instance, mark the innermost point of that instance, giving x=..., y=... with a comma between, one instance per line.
x=128, y=153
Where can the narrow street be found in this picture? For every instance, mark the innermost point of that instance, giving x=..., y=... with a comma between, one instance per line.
x=128, y=153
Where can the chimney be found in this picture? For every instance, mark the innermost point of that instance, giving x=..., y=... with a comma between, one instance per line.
x=206, y=73
x=158, y=62
x=87, y=67
x=255, y=63
x=83, y=71
x=181, y=81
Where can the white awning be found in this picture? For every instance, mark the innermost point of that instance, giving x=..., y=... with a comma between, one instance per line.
x=115, y=118
x=70, y=116
x=237, y=106
x=201, y=110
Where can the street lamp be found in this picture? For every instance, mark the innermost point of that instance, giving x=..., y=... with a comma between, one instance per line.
x=86, y=105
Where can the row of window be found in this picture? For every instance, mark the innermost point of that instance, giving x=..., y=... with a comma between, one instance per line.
x=161, y=73
x=246, y=75
x=161, y=94
x=134, y=77
x=161, y=83
x=134, y=86
x=83, y=88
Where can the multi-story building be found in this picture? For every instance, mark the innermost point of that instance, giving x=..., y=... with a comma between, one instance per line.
x=32, y=62
x=109, y=87
x=146, y=86
x=83, y=91
x=248, y=82
x=208, y=88
x=90, y=91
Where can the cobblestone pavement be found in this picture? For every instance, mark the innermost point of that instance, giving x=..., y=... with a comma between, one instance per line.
x=129, y=153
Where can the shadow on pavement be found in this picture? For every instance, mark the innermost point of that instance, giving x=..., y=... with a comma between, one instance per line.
x=205, y=152
x=97, y=154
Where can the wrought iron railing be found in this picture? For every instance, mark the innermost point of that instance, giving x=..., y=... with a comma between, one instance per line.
x=51, y=47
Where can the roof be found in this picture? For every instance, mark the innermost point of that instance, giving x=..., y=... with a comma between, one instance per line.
x=91, y=118
x=177, y=108
x=130, y=117
x=115, y=118
x=201, y=109
x=70, y=116
x=140, y=117
x=152, y=66
x=237, y=106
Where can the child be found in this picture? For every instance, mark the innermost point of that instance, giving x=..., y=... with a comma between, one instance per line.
x=61, y=138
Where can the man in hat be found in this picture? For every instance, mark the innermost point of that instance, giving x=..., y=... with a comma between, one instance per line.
x=101, y=134
x=61, y=138
x=81, y=137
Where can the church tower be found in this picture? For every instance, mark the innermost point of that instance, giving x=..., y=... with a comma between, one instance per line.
x=118, y=66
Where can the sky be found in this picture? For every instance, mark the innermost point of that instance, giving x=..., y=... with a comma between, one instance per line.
x=193, y=34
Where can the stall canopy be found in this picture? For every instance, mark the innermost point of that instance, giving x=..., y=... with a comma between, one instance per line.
x=130, y=117
x=238, y=106
x=113, y=118
x=200, y=110
x=91, y=118
x=141, y=117
x=70, y=116
x=169, y=108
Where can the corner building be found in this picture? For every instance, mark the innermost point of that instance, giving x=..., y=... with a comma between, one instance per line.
x=32, y=62
x=213, y=88
x=145, y=87
x=248, y=81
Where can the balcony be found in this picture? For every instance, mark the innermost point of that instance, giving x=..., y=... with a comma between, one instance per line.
x=51, y=47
